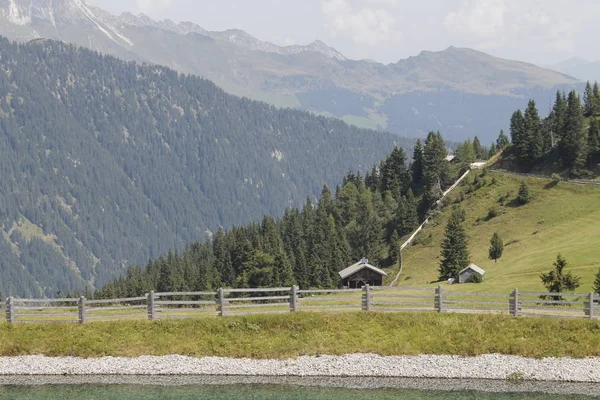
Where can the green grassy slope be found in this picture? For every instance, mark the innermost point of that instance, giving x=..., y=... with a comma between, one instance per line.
x=564, y=218
x=293, y=335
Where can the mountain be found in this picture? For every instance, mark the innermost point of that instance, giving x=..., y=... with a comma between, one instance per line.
x=460, y=91
x=107, y=163
x=580, y=68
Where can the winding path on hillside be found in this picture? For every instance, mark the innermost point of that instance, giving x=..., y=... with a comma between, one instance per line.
x=437, y=203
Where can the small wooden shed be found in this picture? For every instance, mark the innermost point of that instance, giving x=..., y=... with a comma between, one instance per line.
x=360, y=274
x=466, y=275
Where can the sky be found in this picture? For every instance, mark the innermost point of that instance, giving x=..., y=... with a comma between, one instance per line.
x=540, y=31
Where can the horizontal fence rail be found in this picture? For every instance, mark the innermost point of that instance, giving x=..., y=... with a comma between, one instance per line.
x=229, y=302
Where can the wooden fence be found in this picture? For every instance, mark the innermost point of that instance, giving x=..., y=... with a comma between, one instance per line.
x=229, y=302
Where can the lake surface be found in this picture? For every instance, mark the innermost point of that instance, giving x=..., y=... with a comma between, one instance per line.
x=253, y=392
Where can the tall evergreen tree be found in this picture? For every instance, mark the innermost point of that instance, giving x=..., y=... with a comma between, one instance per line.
x=496, y=247
x=455, y=253
x=502, y=142
x=588, y=100
x=372, y=179
x=573, y=146
x=478, y=148
x=395, y=176
x=435, y=164
x=596, y=99
x=533, y=132
x=518, y=135
x=559, y=117
x=223, y=262
x=417, y=166
x=493, y=150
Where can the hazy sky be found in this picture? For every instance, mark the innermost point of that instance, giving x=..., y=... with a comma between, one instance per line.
x=539, y=31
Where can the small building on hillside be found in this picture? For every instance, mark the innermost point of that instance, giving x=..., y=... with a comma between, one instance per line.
x=466, y=275
x=360, y=274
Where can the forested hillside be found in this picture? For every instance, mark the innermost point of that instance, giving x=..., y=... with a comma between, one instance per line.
x=365, y=217
x=107, y=163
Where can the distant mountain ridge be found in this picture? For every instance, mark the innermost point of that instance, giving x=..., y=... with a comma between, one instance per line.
x=580, y=68
x=410, y=97
x=32, y=12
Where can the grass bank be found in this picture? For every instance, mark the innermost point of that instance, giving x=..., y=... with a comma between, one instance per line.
x=560, y=218
x=293, y=335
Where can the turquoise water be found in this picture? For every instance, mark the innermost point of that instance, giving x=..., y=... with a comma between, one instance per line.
x=249, y=392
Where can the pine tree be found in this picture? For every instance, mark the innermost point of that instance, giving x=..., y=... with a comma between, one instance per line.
x=518, y=135
x=417, y=165
x=597, y=283
x=559, y=117
x=372, y=179
x=594, y=140
x=557, y=281
x=588, y=100
x=493, y=150
x=394, y=248
x=573, y=146
x=465, y=152
x=596, y=99
x=502, y=142
x=394, y=174
x=524, y=196
x=435, y=164
x=496, y=247
x=478, y=148
x=533, y=132
x=455, y=252
x=223, y=262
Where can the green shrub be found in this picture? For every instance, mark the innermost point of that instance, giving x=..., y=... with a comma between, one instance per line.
x=524, y=195
x=493, y=212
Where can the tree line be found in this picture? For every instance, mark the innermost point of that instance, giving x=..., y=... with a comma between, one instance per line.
x=565, y=134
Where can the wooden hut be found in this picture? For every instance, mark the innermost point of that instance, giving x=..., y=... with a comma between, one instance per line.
x=360, y=274
x=466, y=275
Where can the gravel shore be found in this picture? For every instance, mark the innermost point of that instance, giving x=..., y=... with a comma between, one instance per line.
x=493, y=366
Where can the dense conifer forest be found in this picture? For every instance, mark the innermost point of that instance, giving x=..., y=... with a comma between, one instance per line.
x=106, y=163
x=363, y=217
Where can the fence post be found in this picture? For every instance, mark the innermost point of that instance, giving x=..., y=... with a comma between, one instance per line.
x=10, y=312
x=221, y=302
x=589, y=306
x=81, y=309
x=294, y=299
x=513, y=303
x=150, y=304
x=439, y=299
x=367, y=298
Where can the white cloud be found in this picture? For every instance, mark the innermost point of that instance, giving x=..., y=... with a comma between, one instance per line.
x=372, y=24
x=489, y=24
x=484, y=18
